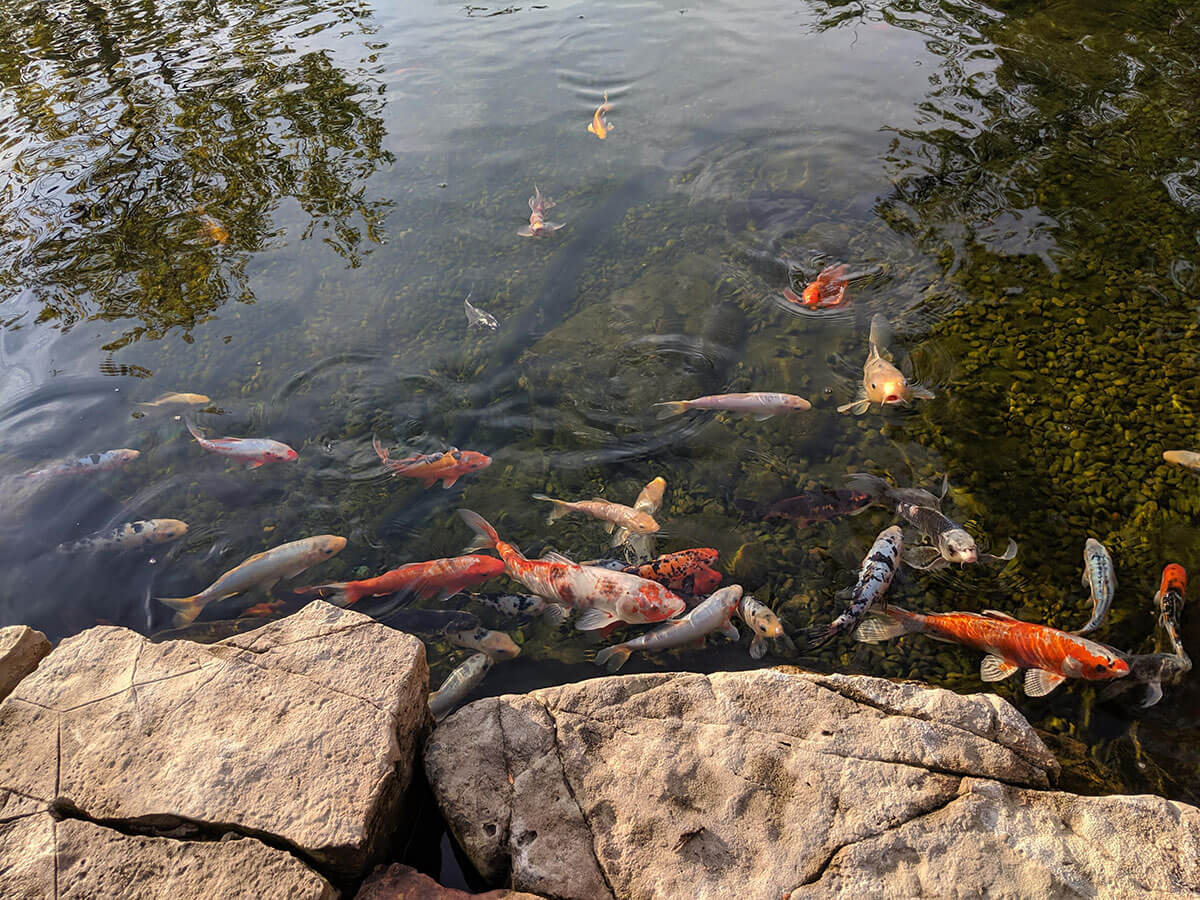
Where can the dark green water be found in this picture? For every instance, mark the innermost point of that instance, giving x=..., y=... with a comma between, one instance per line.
x=1018, y=183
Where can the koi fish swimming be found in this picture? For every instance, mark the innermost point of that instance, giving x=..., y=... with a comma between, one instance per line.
x=826, y=292
x=85, y=465
x=600, y=126
x=1187, y=458
x=763, y=625
x=447, y=467
x=874, y=578
x=882, y=382
x=820, y=504
x=1048, y=655
x=174, y=399
x=1100, y=577
x=537, y=216
x=758, y=404
x=614, y=515
x=476, y=316
x=714, y=614
x=260, y=570
x=1150, y=671
x=129, y=536
x=254, y=451
x=649, y=501
x=521, y=606
x=686, y=572
x=495, y=644
x=602, y=596
x=435, y=578
x=458, y=685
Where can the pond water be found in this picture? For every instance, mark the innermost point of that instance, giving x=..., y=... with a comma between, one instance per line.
x=282, y=206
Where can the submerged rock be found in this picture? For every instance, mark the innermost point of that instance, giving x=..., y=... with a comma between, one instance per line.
x=21, y=649
x=303, y=732
x=401, y=882
x=771, y=784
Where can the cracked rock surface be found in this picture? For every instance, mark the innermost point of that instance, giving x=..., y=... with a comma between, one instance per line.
x=301, y=733
x=774, y=784
x=21, y=649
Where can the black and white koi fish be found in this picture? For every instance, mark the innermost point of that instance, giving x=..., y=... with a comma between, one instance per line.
x=874, y=578
x=95, y=462
x=521, y=606
x=129, y=536
x=476, y=316
x=1100, y=577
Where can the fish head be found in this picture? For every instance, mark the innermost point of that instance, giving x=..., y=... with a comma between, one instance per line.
x=812, y=294
x=329, y=544
x=655, y=603
x=170, y=529
x=645, y=523
x=793, y=402
x=704, y=580
x=761, y=619
x=652, y=494
x=499, y=645
x=1174, y=578
x=486, y=566
x=884, y=383
x=280, y=453
x=958, y=546
x=472, y=461
x=1094, y=662
x=126, y=455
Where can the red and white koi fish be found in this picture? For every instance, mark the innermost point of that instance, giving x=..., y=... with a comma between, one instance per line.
x=429, y=469
x=255, y=451
x=537, y=216
x=95, y=462
x=605, y=597
x=759, y=404
x=1048, y=655
x=436, y=578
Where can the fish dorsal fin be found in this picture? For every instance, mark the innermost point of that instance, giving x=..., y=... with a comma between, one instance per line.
x=598, y=500
x=1039, y=682
x=996, y=668
x=555, y=557
x=996, y=614
x=593, y=619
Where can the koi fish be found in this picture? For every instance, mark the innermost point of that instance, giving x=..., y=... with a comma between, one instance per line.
x=809, y=507
x=446, y=467
x=262, y=610
x=1048, y=655
x=458, y=685
x=1169, y=600
x=882, y=382
x=599, y=126
x=714, y=614
x=827, y=292
x=649, y=500
x=262, y=569
x=95, y=462
x=1100, y=577
x=537, y=216
x=685, y=571
x=1152, y=670
x=604, y=597
x=495, y=644
x=437, y=578
x=759, y=404
x=128, y=536
x=521, y=605
x=255, y=451
x=214, y=228
x=174, y=399
x=1186, y=458
x=874, y=578
x=763, y=624
x=476, y=316
x=612, y=514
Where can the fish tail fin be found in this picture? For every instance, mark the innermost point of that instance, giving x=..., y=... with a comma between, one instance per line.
x=339, y=593
x=191, y=427
x=186, y=608
x=380, y=450
x=873, y=485
x=485, y=534
x=820, y=635
x=557, y=511
x=612, y=658
x=671, y=408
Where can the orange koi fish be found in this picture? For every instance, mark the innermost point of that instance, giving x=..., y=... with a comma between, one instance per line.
x=685, y=571
x=600, y=126
x=827, y=292
x=436, y=578
x=1048, y=655
x=446, y=467
x=1169, y=600
x=603, y=596
x=537, y=216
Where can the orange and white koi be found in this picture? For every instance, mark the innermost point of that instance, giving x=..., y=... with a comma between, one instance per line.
x=612, y=514
x=255, y=451
x=1048, y=655
x=537, y=216
x=605, y=597
x=882, y=382
x=1151, y=671
x=760, y=404
x=600, y=126
x=95, y=462
x=447, y=467
x=437, y=578
x=762, y=622
x=827, y=292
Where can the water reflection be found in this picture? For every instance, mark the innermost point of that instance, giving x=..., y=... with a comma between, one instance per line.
x=139, y=169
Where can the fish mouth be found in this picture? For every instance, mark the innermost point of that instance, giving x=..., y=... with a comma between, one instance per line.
x=893, y=399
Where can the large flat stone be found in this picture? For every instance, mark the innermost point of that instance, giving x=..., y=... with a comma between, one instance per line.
x=21, y=649
x=770, y=783
x=302, y=731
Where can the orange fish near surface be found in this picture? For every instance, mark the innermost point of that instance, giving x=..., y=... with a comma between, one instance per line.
x=600, y=126
x=827, y=292
x=436, y=578
x=686, y=571
x=537, y=216
x=446, y=467
x=1048, y=655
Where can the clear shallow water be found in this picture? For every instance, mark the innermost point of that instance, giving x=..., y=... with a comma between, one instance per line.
x=1016, y=185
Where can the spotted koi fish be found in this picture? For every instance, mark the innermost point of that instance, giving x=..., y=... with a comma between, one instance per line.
x=1151, y=671
x=1100, y=577
x=438, y=578
x=1170, y=600
x=537, y=216
x=446, y=467
x=763, y=624
x=495, y=644
x=685, y=571
x=95, y=462
x=874, y=578
x=604, y=597
x=1048, y=655
x=520, y=606
x=129, y=536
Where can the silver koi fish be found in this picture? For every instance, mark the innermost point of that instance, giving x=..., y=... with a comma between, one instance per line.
x=874, y=578
x=713, y=614
x=128, y=536
x=95, y=462
x=458, y=685
x=759, y=404
x=1100, y=577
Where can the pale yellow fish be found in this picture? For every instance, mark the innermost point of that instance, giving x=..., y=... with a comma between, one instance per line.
x=612, y=514
x=648, y=501
x=883, y=383
x=600, y=126
x=174, y=399
x=495, y=644
x=1186, y=458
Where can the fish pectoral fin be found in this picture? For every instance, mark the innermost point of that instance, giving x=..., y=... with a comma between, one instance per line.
x=1040, y=682
x=875, y=629
x=762, y=417
x=996, y=668
x=556, y=557
x=448, y=481
x=758, y=647
x=556, y=614
x=609, y=526
x=730, y=631
x=1084, y=580
x=525, y=231
x=858, y=407
x=921, y=557
x=1010, y=552
x=255, y=464
x=593, y=619
x=920, y=393
x=1151, y=695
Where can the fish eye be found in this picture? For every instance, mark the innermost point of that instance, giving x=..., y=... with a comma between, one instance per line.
x=872, y=385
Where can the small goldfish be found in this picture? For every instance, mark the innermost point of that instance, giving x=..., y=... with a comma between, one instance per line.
x=437, y=578
x=827, y=292
x=762, y=622
x=685, y=571
x=759, y=404
x=174, y=399
x=603, y=596
x=537, y=216
x=649, y=501
x=1048, y=655
x=495, y=644
x=255, y=451
x=600, y=126
x=612, y=514
x=458, y=685
x=95, y=462
x=128, y=536
x=447, y=467
x=265, y=569
x=1100, y=577
x=874, y=578
x=714, y=614
x=882, y=382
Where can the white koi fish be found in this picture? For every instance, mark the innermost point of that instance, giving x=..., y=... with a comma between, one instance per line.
x=713, y=614
x=128, y=536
